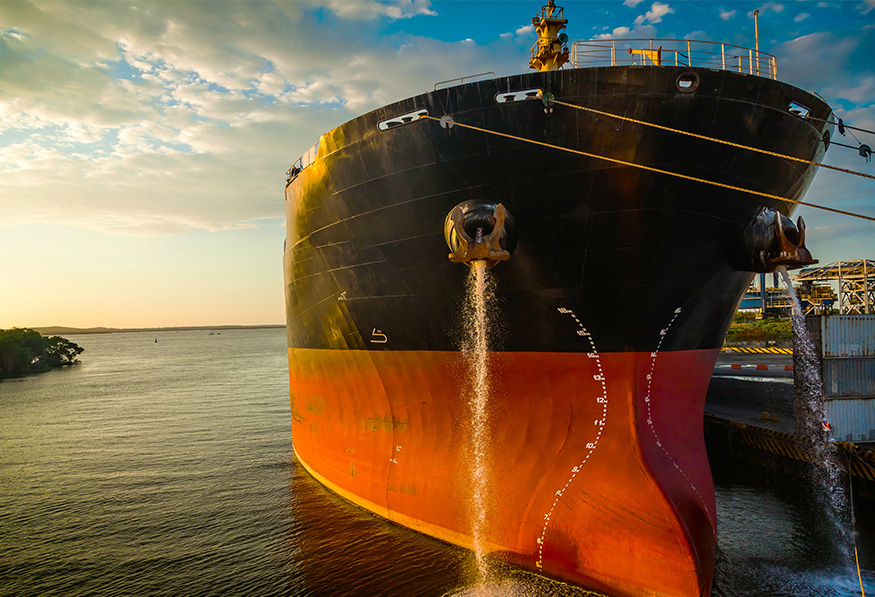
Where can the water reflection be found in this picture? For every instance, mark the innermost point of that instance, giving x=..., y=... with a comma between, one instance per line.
x=776, y=539
x=167, y=469
x=340, y=549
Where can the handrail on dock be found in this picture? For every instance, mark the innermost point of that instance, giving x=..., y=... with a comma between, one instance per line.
x=673, y=52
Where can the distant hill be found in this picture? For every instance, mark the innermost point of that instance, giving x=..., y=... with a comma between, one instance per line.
x=59, y=330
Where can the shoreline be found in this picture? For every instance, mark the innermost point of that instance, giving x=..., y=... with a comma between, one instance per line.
x=61, y=330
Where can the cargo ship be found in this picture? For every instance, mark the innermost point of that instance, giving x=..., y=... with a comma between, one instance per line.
x=626, y=192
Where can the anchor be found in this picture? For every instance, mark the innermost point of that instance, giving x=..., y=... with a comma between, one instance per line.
x=479, y=231
x=772, y=240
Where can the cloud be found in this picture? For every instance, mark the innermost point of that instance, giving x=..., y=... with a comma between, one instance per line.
x=769, y=7
x=655, y=14
x=642, y=26
x=727, y=14
x=639, y=31
x=822, y=62
x=632, y=3
x=369, y=9
x=163, y=117
x=12, y=34
x=621, y=31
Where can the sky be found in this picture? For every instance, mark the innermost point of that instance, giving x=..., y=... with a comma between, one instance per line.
x=143, y=145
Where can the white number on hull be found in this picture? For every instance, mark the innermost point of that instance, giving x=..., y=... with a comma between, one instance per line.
x=590, y=446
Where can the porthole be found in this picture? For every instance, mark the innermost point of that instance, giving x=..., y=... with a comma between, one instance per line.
x=687, y=82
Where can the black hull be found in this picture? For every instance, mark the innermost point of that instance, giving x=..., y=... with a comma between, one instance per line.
x=365, y=248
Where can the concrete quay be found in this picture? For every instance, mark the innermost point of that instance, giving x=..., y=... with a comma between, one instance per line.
x=749, y=416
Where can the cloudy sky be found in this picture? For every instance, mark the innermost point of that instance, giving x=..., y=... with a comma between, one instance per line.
x=143, y=145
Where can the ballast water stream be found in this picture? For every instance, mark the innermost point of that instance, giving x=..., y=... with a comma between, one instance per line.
x=480, y=292
x=827, y=474
x=495, y=578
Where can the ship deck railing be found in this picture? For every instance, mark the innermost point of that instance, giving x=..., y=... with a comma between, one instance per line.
x=673, y=52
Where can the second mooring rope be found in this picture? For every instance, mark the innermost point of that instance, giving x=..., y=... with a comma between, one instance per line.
x=712, y=139
x=854, y=519
x=658, y=170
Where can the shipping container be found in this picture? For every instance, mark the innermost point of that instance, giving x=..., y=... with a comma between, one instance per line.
x=845, y=346
x=852, y=420
x=848, y=378
x=848, y=336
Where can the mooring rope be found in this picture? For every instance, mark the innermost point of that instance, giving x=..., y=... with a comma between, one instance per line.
x=712, y=139
x=841, y=124
x=658, y=170
x=854, y=518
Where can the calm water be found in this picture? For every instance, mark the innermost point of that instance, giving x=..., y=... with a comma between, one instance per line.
x=166, y=469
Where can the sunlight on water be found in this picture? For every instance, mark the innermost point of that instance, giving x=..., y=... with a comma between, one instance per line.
x=502, y=589
x=480, y=292
x=519, y=583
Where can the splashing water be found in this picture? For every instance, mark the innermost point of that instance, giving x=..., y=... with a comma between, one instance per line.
x=810, y=418
x=509, y=581
x=480, y=292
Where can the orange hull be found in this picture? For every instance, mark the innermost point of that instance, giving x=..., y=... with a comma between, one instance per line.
x=598, y=472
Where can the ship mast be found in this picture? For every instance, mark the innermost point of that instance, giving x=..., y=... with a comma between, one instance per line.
x=550, y=51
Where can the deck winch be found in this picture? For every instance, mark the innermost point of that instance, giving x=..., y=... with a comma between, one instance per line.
x=480, y=230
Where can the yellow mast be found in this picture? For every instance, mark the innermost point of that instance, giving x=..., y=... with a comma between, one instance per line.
x=549, y=52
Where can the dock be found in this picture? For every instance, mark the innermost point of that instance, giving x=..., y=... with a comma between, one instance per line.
x=749, y=417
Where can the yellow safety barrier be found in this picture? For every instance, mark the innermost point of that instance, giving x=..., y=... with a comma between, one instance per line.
x=860, y=461
x=751, y=349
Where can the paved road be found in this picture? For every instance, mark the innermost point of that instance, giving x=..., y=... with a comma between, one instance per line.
x=744, y=386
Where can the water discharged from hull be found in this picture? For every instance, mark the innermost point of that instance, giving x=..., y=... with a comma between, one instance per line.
x=480, y=292
x=811, y=423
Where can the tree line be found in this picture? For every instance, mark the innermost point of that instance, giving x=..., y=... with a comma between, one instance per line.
x=747, y=329
x=24, y=351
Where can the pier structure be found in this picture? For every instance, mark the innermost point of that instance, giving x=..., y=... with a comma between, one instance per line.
x=749, y=417
x=760, y=422
x=856, y=283
x=784, y=451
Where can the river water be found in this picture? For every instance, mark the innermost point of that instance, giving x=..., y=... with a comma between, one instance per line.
x=166, y=468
